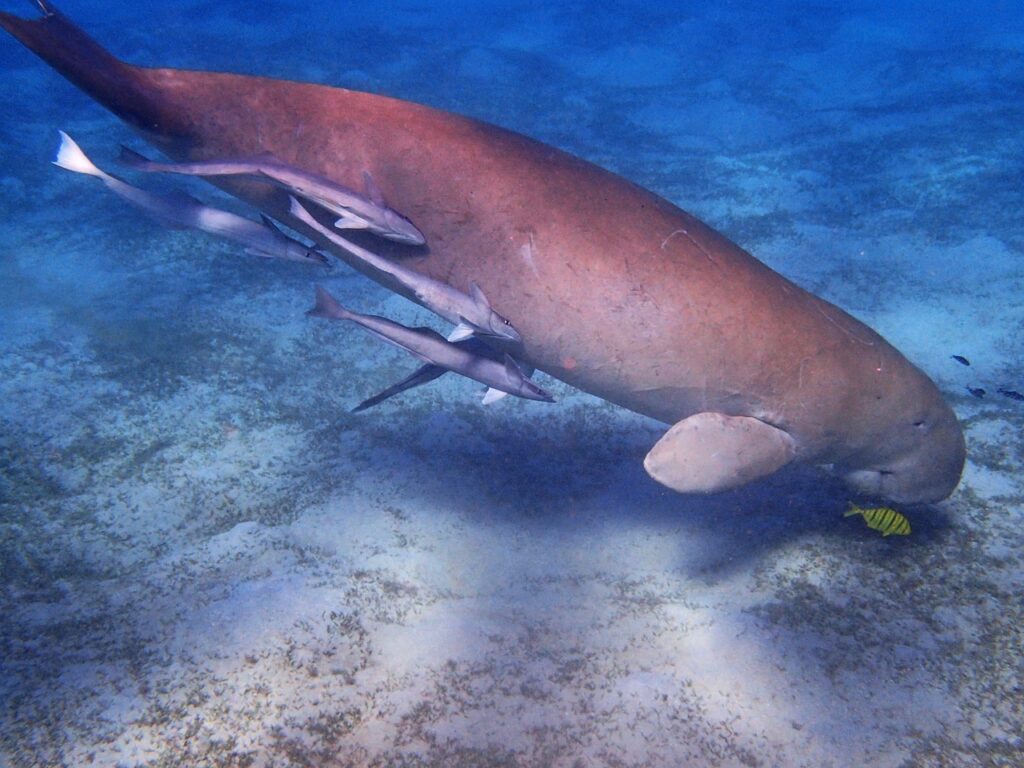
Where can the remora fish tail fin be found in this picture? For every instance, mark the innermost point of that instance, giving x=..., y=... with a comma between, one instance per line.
x=70, y=157
x=299, y=211
x=327, y=306
x=127, y=91
x=478, y=296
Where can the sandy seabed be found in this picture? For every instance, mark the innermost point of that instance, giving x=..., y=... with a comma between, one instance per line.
x=208, y=561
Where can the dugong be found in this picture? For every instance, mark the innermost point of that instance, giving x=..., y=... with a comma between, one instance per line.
x=613, y=289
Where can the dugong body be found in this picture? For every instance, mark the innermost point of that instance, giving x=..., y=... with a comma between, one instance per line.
x=613, y=289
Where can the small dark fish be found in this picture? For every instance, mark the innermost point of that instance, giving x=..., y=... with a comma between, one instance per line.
x=1012, y=394
x=883, y=519
x=976, y=391
x=961, y=359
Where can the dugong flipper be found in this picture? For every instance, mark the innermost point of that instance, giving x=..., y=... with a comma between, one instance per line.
x=613, y=289
x=710, y=452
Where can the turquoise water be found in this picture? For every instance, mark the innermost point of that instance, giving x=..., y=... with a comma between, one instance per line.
x=207, y=560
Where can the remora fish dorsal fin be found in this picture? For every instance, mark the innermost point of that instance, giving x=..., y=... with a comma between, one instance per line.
x=478, y=296
x=372, y=190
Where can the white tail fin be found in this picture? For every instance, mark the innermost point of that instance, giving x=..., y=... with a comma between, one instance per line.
x=71, y=157
x=298, y=210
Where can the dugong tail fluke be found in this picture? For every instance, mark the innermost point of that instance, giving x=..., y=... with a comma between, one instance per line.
x=124, y=89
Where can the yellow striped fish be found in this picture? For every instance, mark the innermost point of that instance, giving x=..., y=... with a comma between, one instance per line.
x=883, y=519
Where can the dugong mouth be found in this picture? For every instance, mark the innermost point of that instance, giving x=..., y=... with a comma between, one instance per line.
x=918, y=460
x=909, y=482
x=886, y=484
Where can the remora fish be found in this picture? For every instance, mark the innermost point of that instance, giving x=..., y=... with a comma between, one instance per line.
x=264, y=239
x=432, y=348
x=428, y=372
x=369, y=212
x=470, y=313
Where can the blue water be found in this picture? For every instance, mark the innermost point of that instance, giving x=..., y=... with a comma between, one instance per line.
x=207, y=560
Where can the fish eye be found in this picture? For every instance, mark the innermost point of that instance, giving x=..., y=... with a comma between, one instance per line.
x=507, y=322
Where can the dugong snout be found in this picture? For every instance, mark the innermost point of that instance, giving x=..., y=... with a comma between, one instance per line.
x=922, y=463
